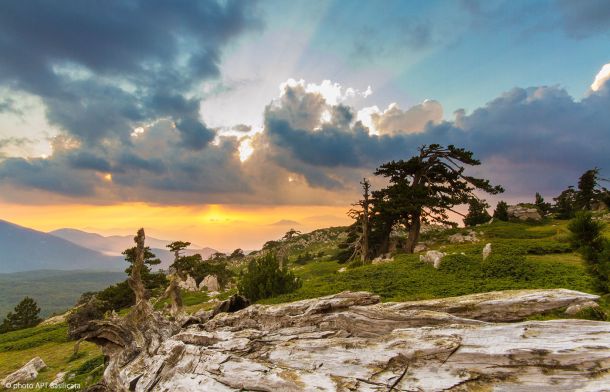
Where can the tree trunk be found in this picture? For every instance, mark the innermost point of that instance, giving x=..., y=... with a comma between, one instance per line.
x=135, y=279
x=364, y=256
x=413, y=233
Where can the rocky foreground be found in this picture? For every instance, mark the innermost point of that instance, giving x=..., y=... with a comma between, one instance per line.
x=352, y=342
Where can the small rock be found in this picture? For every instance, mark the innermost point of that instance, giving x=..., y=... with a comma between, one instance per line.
x=420, y=248
x=382, y=260
x=461, y=238
x=27, y=372
x=486, y=251
x=433, y=257
x=59, y=378
x=576, y=308
x=342, y=269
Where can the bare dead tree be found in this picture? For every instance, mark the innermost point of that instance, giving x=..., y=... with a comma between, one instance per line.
x=135, y=279
x=361, y=213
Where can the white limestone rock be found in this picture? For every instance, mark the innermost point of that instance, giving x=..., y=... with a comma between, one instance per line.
x=27, y=372
x=352, y=342
x=486, y=251
x=420, y=248
x=210, y=282
x=59, y=378
x=574, y=309
x=382, y=260
x=523, y=213
x=189, y=284
x=433, y=257
x=459, y=238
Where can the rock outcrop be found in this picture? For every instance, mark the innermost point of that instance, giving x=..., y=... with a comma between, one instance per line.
x=27, y=372
x=523, y=213
x=352, y=342
x=210, y=282
x=188, y=284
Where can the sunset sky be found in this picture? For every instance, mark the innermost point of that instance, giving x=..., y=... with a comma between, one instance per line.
x=227, y=123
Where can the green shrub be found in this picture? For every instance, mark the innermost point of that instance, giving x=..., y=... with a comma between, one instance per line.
x=508, y=266
x=586, y=235
x=264, y=278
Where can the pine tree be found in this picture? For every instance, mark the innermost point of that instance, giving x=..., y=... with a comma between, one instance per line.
x=565, y=203
x=586, y=189
x=542, y=206
x=477, y=213
x=501, y=211
x=422, y=190
x=587, y=238
x=25, y=315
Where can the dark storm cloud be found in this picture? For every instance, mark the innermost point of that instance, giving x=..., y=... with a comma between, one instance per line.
x=128, y=161
x=194, y=135
x=48, y=175
x=103, y=67
x=542, y=137
x=582, y=19
x=89, y=161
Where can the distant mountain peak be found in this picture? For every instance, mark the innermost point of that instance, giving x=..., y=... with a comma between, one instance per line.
x=25, y=249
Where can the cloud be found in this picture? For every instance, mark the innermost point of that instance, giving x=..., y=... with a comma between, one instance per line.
x=601, y=78
x=537, y=138
x=393, y=120
x=311, y=151
x=332, y=93
x=581, y=19
x=104, y=68
x=7, y=105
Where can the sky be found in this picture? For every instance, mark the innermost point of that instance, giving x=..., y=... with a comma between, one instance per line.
x=226, y=123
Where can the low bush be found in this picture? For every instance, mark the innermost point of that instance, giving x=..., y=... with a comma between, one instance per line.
x=264, y=278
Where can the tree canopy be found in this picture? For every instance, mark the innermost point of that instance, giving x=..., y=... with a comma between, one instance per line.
x=423, y=189
x=25, y=315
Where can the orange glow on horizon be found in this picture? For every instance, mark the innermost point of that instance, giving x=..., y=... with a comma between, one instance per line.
x=222, y=227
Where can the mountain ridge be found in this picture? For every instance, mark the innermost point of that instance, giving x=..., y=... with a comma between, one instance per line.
x=115, y=244
x=25, y=249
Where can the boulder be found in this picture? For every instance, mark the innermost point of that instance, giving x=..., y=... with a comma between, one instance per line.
x=433, y=257
x=352, y=342
x=27, y=372
x=501, y=306
x=420, y=248
x=459, y=238
x=189, y=284
x=521, y=212
x=486, y=251
x=210, y=282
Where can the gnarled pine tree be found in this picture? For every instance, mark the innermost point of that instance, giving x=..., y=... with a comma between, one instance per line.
x=422, y=190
